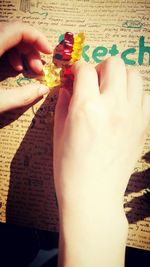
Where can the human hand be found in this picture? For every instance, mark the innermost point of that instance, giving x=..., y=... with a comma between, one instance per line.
x=98, y=136
x=99, y=131
x=18, y=39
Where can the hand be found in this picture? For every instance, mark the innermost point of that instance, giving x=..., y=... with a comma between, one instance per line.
x=99, y=131
x=98, y=136
x=18, y=39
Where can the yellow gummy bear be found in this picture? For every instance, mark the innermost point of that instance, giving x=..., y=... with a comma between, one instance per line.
x=51, y=76
x=77, y=47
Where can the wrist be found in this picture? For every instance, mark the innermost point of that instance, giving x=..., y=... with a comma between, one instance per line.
x=95, y=214
x=85, y=198
x=85, y=232
x=91, y=188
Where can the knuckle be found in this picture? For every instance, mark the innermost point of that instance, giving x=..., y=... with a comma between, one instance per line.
x=29, y=93
x=115, y=61
x=85, y=108
x=84, y=68
x=134, y=73
x=135, y=76
x=27, y=100
x=88, y=105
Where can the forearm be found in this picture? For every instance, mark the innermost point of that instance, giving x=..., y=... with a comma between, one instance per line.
x=96, y=146
x=92, y=237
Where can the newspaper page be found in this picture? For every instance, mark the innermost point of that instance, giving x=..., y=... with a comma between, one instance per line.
x=27, y=195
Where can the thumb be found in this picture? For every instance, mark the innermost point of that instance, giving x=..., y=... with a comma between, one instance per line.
x=21, y=96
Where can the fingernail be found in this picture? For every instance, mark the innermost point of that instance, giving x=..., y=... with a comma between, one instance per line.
x=19, y=68
x=43, y=90
x=39, y=65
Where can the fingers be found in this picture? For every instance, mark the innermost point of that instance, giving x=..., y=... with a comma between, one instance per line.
x=13, y=33
x=15, y=59
x=32, y=56
x=146, y=108
x=85, y=81
x=134, y=87
x=112, y=77
x=19, y=97
x=61, y=111
x=136, y=95
x=34, y=61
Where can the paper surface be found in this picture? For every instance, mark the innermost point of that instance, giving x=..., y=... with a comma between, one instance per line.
x=27, y=195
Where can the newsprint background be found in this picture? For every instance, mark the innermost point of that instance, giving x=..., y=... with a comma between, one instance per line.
x=27, y=195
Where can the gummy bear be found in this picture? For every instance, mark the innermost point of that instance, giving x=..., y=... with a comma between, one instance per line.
x=66, y=52
x=69, y=37
x=51, y=76
x=77, y=47
x=58, y=54
x=67, y=76
x=68, y=46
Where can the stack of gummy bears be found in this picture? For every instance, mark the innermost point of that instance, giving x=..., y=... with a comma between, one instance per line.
x=65, y=54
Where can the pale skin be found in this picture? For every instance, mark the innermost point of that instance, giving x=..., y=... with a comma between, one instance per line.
x=17, y=39
x=98, y=137
x=99, y=131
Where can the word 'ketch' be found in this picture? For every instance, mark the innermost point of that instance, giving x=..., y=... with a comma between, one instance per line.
x=66, y=52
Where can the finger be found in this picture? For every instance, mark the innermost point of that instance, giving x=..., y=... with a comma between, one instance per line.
x=31, y=55
x=146, y=108
x=85, y=81
x=112, y=77
x=15, y=59
x=24, y=48
x=134, y=87
x=19, y=97
x=61, y=111
x=13, y=33
x=34, y=61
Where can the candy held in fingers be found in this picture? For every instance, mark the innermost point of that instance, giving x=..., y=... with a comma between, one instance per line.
x=68, y=46
x=51, y=76
x=69, y=37
x=69, y=50
x=66, y=52
x=67, y=76
x=77, y=47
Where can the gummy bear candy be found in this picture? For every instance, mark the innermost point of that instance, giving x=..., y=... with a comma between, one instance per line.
x=77, y=47
x=69, y=37
x=51, y=76
x=67, y=76
x=63, y=51
x=66, y=52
